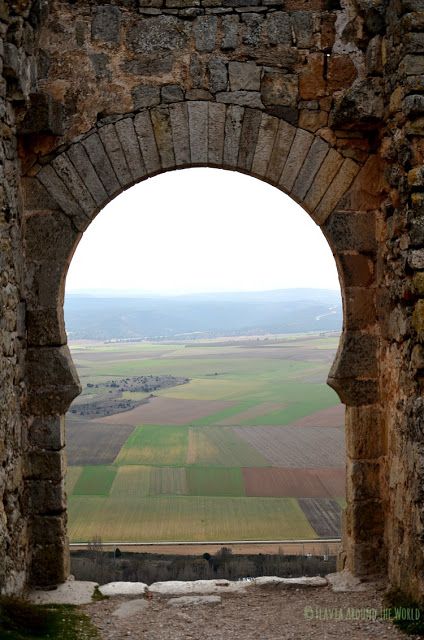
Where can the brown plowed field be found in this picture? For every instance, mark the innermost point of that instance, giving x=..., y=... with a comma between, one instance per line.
x=92, y=443
x=164, y=410
x=254, y=412
x=324, y=516
x=294, y=483
x=291, y=447
x=331, y=417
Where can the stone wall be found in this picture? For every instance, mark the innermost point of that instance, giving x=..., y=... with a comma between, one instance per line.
x=323, y=100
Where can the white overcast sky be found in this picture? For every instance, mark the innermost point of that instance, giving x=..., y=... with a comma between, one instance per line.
x=202, y=230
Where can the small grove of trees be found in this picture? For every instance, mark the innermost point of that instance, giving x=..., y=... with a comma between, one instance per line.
x=107, y=566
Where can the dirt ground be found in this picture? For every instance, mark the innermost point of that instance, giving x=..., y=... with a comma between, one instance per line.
x=266, y=613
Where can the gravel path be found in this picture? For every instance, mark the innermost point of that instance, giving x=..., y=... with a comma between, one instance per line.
x=265, y=613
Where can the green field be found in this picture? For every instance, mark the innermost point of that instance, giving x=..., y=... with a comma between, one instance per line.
x=179, y=472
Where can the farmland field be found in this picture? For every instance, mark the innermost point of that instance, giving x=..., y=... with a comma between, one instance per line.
x=250, y=448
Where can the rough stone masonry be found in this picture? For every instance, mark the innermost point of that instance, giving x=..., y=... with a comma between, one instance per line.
x=324, y=99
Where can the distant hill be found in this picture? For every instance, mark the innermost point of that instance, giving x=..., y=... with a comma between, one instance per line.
x=96, y=316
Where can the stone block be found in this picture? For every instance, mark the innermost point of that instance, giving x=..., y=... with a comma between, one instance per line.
x=241, y=98
x=244, y=76
x=51, y=379
x=363, y=479
x=303, y=29
x=130, y=147
x=230, y=32
x=46, y=465
x=180, y=133
x=364, y=435
x=106, y=23
x=76, y=185
x=365, y=519
x=216, y=128
x=299, y=149
x=313, y=120
x=233, y=126
x=278, y=27
x=101, y=163
x=341, y=72
x=266, y=138
x=144, y=130
x=79, y=158
x=113, y=148
x=172, y=93
x=145, y=96
x=416, y=259
x=412, y=65
x=47, y=432
x=35, y=195
x=61, y=194
x=248, y=138
x=198, y=127
x=312, y=84
x=418, y=282
x=218, y=75
x=311, y=165
x=279, y=89
x=355, y=393
x=50, y=237
x=281, y=149
x=349, y=230
x=336, y=190
x=418, y=318
x=46, y=497
x=323, y=179
x=163, y=134
x=360, y=308
x=356, y=270
x=356, y=356
x=157, y=36
x=205, y=30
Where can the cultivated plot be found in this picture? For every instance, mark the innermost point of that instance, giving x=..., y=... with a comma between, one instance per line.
x=323, y=515
x=297, y=483
x=197, y=518
x=155, y=445
x=294, y=447
x=90, y=442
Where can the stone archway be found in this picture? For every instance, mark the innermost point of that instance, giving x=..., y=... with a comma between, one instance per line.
x=323, y=99
x=64, y=195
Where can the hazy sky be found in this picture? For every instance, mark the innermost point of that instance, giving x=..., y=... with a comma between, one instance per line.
x=200, y=230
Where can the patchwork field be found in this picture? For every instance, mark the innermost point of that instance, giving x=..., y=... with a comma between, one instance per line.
x=251, y=448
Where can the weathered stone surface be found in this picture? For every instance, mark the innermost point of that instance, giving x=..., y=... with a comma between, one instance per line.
x=172, y=93
x=242, y=98
x=348, y=231
x=233, y=125
x=198, y=127
x=145, y=96
x=115, y=154
x=265, y=144
x=180, y=133
x=230, y=29
x=164, y=33
x=74, y=592
x=105, y=24
x=279, y=28
x=101, y=163
x=279, y=89
x=336, y=190
x=123, y=589
x=61, y=194
x=313, y=161
x=244, y=76
x=216, y=128
x=248, y=137
x=300, y=147
x=47, y=432
x=204, y=30
x=326, y=173
x=128, y=609
x=130, y=147
x=280, y=151
x=163, y=135
x=67, y=172
x=218, y=75
x=82, y=164
x=144, y=130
